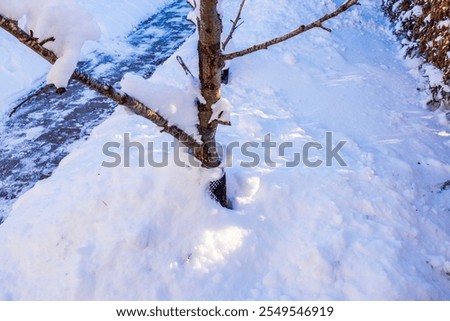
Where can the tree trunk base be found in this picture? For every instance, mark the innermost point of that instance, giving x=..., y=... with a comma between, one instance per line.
x=218, y=191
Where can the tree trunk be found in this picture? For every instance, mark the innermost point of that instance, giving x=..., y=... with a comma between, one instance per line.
x=210, y=68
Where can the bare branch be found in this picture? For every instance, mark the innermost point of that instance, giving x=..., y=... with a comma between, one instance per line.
x=192, y=21
x=35, y=94
x=221, y=122
x=13, y=28
x=234, y=26
x=43, y=42
x=316, y=24
x=325, y=28
x=104, y=89
x=183, y=65
x=192, y=3
x=31, y=36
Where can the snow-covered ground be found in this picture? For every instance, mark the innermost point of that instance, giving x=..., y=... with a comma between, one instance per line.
x=375, y=229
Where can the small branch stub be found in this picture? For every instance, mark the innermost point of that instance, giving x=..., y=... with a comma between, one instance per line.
x=43, y=42
x=183, y=65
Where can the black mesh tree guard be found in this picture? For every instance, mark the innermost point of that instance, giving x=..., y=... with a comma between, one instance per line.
x=218, y=191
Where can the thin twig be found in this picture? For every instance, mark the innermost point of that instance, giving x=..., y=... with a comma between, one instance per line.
x=31, y=36
x=35, y=94
x=234, y=26
x=193, y=4
x=316, y=24
x=43, y=42
x=221, y=122
x=325, y=28
x=183, y=65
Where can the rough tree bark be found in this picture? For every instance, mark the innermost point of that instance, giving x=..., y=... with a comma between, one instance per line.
x=210, y=68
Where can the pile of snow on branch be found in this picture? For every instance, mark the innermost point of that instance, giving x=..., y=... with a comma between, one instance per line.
x=65, y=20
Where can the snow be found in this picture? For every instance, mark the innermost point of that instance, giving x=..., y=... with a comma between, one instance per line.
x=194, y=15
x=375, y=229
x=434, y=75
x=444, y=23
x=116, y=18
x=21, y=70
x=417, y=11
x=66, y=21
x=177, y=104
x=221, y=110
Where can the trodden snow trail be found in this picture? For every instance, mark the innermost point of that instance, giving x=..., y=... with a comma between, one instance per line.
x=40, y=134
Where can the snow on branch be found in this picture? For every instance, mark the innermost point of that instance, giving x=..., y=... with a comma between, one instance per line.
x=63, y=26
x=27, y=39
x=106, y=90
x=316, y=24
